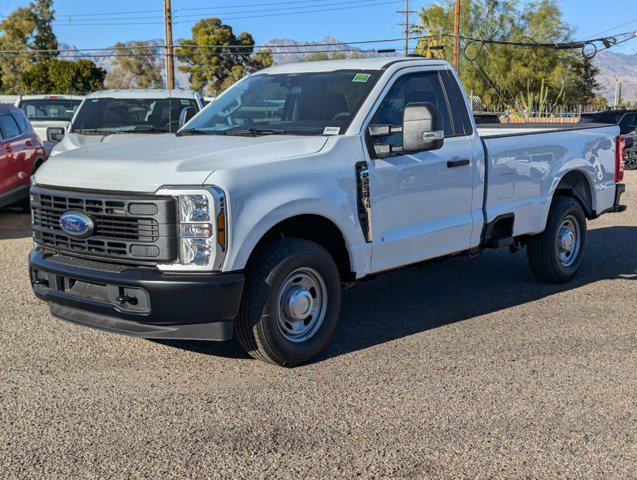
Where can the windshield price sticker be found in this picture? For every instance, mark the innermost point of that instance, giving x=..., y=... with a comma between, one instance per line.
x=361, y=77
x=185, y=102
x=332, y=130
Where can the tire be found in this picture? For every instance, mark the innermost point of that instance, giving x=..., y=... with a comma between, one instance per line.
x=287, y=279
x=554, y=255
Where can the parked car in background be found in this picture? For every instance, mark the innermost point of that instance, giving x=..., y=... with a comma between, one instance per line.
x=10, y=99
x=111, y=113
x=50, y=115
x=21, y=153
x=626, y=119
x=485, y=118
x=630, y=157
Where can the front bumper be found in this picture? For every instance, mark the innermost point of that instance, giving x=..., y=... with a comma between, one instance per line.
x=137, y=301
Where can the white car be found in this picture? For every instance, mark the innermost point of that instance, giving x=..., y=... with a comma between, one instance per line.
x=297, y=180
x=50, y=115
x=108, y=114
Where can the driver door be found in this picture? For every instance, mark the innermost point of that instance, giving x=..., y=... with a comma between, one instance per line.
x=421, y=202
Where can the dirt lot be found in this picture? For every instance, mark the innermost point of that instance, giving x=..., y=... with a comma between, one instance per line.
x=461, y=369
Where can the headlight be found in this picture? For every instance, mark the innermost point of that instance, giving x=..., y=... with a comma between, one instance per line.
x=201, y=228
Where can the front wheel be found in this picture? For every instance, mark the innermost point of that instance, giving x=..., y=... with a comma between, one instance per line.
x=556, y=254
x=291, y=302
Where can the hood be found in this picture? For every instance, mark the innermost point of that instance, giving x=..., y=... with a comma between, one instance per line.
x=143, y=163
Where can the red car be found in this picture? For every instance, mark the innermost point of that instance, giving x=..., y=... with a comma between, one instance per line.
x=21, y=153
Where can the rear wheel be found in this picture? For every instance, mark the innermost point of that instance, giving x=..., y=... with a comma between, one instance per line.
x=556, y=254
x=291, y=302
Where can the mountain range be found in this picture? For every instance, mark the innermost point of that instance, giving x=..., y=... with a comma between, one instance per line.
x=612, y=65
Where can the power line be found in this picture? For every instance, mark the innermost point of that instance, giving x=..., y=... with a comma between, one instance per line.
x=238, y=17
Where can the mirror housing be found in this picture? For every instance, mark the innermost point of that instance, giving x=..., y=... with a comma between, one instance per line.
x=54, y=134
x=423, y=128
x=186, y=115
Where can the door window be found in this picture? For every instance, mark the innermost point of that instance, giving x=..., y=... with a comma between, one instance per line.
x=21, y=121
x=8, y=127
x=411, y=88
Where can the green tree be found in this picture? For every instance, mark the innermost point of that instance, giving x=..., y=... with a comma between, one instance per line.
x=137, y=67
x=211, y=66
x=499, y=74
x=63, y=76
x=27, y=28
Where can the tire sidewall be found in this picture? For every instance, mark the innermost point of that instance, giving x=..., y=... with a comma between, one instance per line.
x=295, y=353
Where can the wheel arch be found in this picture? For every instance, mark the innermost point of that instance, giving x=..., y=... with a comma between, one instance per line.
x=576, y=184
x=315, y=227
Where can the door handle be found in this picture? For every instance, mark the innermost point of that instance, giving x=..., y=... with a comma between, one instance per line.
x=458, y=163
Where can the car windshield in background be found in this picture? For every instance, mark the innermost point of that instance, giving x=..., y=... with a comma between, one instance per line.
x=297, y=104
x=132, y=115
x=49, y=109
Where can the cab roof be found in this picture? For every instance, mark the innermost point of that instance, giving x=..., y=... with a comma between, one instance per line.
x=51, y=96
x=145, y=93
x=377, y=63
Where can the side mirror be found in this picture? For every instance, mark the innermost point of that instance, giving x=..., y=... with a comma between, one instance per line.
x=185, y=115
x=54, y=134
x=423, y=128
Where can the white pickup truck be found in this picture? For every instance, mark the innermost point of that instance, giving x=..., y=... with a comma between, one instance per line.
x=50, y=115
x=296, y=181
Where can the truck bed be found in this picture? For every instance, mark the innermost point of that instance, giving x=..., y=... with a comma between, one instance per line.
x=494, y=130
x=526, y=162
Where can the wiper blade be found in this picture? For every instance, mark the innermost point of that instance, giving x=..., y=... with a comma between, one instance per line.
x=254, y=132
x=194, y=131
x=94, y=131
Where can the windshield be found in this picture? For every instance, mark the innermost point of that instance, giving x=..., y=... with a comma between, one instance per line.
x=297, y=104
x=50, y=109
x=133, y=115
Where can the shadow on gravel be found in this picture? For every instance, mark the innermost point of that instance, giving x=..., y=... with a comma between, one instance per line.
x=430, y=295
x=14, y=223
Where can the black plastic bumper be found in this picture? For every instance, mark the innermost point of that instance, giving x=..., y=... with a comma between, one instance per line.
x=142, y=302
x=619, y=191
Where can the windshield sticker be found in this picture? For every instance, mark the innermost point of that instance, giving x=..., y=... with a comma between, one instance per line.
x=361, y=77
x=332, y=130
x=185, y=102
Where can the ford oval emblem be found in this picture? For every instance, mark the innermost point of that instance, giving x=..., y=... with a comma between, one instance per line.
x=77, y=224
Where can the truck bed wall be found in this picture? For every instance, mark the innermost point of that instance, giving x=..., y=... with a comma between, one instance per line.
x=523, y=171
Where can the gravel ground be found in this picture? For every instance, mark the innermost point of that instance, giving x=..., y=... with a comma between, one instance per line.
x=461, y=369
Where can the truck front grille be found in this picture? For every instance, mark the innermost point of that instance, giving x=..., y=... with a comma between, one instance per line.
x=130, y=228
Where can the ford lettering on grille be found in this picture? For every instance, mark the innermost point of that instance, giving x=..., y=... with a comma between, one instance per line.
x=77, y=224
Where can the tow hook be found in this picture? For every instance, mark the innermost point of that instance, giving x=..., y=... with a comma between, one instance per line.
x=122, y=299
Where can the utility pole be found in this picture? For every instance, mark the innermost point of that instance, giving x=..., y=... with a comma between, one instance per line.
x=407, y=25
x=456, y=36
x=170, y=64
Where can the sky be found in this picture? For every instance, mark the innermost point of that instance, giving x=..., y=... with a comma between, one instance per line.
x=96, y=24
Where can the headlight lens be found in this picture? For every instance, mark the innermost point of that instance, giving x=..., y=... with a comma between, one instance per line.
x=194, y=208
x=195, y=251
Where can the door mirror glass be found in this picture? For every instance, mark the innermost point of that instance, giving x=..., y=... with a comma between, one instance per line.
x=423, y=128
x=185, y=115
x=54, y=134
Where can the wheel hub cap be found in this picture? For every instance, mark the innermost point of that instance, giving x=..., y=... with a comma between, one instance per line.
x=568, y=241
x=301, y=304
